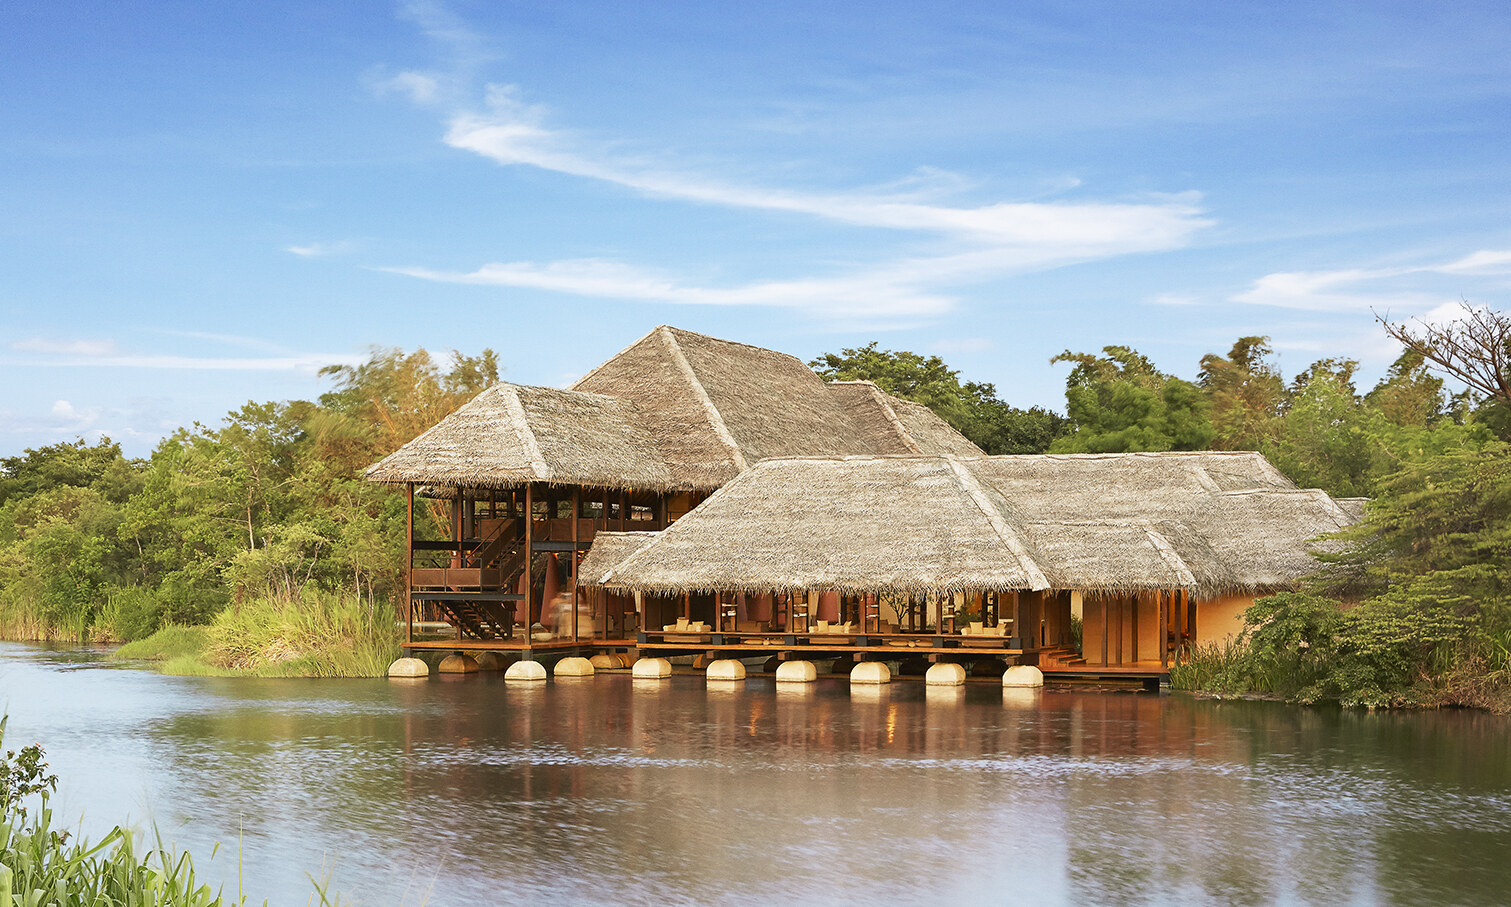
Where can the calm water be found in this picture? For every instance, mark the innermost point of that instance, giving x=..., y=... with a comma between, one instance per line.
x=605, y=791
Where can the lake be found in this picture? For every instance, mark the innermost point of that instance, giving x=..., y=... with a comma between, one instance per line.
x=606, y=790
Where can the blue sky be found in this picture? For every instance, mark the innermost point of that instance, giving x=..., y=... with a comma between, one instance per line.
x=200, y=204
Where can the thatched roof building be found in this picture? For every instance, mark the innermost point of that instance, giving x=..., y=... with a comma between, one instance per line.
x=910, y=524
x=673, y=411
x=510, y=435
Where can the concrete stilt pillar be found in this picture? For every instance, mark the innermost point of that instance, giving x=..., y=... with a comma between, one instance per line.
x=796, y=672
x=458, y=663
x=409, y=667
x=606, y=662
x=652, y=669
x=526, y=672
x=574, y=666
x=944, y=674
x=725, y=669
x=871, y=672
x=1023, y=676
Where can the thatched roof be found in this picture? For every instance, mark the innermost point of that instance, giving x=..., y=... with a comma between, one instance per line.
x=512, y=434
x=716, y=407
x=884, y=424
x=1266, y=536
x=674, y=410
x=895, y=524
x=913, y=523
x=609, y=548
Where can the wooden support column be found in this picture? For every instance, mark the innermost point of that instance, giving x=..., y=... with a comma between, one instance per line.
x=529, y=583
x=456, y=528
x=408, y=562
x=1133, y=637
x=1122, y=604
x=1106, y=628
x=1164, y=630
x=1018, y=622
x=576, y=515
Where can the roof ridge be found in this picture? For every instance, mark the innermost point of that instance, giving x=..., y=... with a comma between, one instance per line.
x=880, y=397
x=1009, y=538
x=599, y=367
x=715, y=419
x=527, y=439
x=1169, y=555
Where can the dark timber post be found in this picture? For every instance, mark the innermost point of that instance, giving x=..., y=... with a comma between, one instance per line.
x=529, y=560
x=576, y=515
x=1164, y=631
x=1106, y=628
x=409, y=563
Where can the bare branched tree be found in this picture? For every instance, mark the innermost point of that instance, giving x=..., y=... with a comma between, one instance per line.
x=1475, y=348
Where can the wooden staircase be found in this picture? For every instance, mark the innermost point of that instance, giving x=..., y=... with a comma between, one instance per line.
x=1060, y=657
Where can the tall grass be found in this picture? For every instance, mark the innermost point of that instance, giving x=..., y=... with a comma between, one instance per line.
x=168, y=643
x=42, y=864
x=317, y=634
x=1221, y=667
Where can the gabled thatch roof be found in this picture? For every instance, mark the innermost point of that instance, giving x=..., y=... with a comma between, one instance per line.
x=1093, y=556
x=716, y=407
x=896, y=524
x=885, y=424
x=512, y=434
x=609, y=548
x=914, y=523
x=1266, y=536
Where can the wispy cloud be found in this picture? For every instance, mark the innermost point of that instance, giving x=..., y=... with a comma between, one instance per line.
x=968, y=243
x=66, y=347
x=879, y=293
x=319, y=249
x=1359, y=289
x=107, y=354
x=512, y=132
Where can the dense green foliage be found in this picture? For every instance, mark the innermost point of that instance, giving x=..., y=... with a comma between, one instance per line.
x=1430, y=571
x=263, y=512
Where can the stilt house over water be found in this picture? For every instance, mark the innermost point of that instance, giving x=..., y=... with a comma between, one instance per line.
x=694, y=495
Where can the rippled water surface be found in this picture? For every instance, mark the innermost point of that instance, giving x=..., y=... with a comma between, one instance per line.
x=611, y=791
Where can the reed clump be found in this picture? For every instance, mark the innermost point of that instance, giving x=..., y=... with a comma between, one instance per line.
x=43, y=864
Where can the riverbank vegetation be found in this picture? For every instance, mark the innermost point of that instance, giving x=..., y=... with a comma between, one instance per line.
x=41, y=863
x=260, y=535
x=259, y=530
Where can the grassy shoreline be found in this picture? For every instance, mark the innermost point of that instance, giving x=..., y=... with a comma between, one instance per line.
x=316, y=635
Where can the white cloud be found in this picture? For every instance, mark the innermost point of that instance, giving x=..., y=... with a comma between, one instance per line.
x=873, y=293
x=66, y=347
x=419, y=87
x=970, y=243
x=106, y=354
x=319, y=249
x=1349, y=289
x=511, y=133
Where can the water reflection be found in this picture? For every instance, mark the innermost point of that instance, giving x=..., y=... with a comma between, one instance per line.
x=614, y=790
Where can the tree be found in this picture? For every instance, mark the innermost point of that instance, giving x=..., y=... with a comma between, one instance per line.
x=1246, y=393
x=1120, y=402
x=973, y=408
x=1475, y=348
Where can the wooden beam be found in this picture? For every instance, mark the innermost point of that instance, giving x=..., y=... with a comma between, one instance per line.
x=1164, y=629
